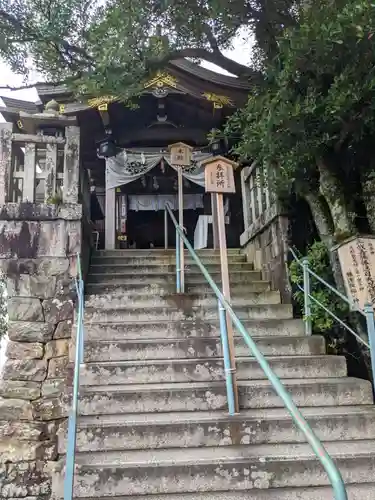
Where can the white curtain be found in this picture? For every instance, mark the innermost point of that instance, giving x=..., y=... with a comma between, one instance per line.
x=127, y=167
x=158, y=201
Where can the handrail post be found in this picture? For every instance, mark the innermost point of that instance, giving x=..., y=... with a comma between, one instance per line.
x=370, y=321
x=227, y=361
x=178, y=263
x=307, y=300
x=165, y=229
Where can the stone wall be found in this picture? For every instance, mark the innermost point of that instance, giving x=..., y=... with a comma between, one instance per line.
x=265, y=243
x=38, y=248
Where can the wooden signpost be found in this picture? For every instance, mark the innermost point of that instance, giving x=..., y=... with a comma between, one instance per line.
x=219, y=179
x=181, y=157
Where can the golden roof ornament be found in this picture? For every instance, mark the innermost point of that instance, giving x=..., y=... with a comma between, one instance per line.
x=219, y=101
x=102, y=102
x=161, y=79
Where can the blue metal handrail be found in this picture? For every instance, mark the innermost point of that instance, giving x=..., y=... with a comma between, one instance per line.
x=368, y=311
x=72, y=424
x=300, y=421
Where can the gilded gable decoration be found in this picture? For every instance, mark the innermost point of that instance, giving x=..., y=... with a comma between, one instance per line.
x=102, y=102
x=160, y=80
x=219, y=101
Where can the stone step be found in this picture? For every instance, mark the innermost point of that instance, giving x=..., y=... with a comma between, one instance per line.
x=169, y=259
x=272, y=311
x=208, y=369
x=191, y=277
x=235, y=468
x=115, y=350
x=205, y=396
x=363, y=491
x=153, y=267
x=189, y=430
x=138, y=252
x=163, y=288
x=160, y=329
x=118, y=300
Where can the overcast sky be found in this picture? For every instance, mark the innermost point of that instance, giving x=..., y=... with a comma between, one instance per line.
x=241, y=53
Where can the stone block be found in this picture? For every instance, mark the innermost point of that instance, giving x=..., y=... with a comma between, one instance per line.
x=19, y=451
x=50, y=409
x=17, y=389
x=53, y=388
x=27, y=285
x=29, y=369
x=15, y=409
x=54, y=266
x=25, y=479
x=56, y=310
x=23, y=431
x=66, y=288
x=24, y=350
x=25, y=309
x=64, y=330
x=57, y=348
x=30, y=332
x=58, y=367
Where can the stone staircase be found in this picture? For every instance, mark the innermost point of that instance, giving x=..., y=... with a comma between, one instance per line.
x=153, y=421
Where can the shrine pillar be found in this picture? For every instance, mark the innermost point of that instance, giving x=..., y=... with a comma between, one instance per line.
x=40, y=237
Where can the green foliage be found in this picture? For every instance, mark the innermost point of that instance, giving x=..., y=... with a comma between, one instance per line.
x=318, y=258
x=319, y=96
x=110, y=47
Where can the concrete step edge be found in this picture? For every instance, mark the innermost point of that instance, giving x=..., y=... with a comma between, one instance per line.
x=221, y=455
x=189, y=386
x=269, y=414
x=240, y=359
x=166, y=340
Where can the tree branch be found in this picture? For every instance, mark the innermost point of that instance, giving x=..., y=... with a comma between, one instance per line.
x=213, y=57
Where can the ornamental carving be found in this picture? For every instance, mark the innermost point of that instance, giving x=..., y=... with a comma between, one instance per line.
x=100, y=101
x=219, y=101
x=161, y=80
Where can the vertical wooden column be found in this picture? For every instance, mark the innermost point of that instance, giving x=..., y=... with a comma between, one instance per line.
x=110, y=218
x=252, y=199
x=71, y=165
x=181, y=224
x=226, y=291
x=51, y=171
x=5, y=160
x=28, y=193
x=215, y=228
x=245, y=189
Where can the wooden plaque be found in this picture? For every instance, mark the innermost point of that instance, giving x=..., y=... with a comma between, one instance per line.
x=219, y=177
x=180, y=154
x=357, y=260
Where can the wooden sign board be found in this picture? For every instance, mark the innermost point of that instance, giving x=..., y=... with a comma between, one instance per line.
x=180, y=154
x=357, y=260
x=219, y=177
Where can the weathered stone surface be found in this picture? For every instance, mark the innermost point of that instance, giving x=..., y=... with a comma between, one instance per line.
x=32, y=285
x=64, y=330
x=56, y=310
x=24, y=350
x=19, y=451
x=32, y=239
x=25, y=309
x=53, y=266
x=58, y=367
x=50, y=451
x=23, y=431
x=23, y=479
x=53, y=388
x=66, y=288
x=26, y=211
x=15, y=409
x=30, y=332
x=29, y=369
x=50, y=409
x=57, y=348
x=17, y=389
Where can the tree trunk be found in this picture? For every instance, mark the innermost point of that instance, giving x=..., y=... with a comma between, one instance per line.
x=368, y=190
x=331, y=189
